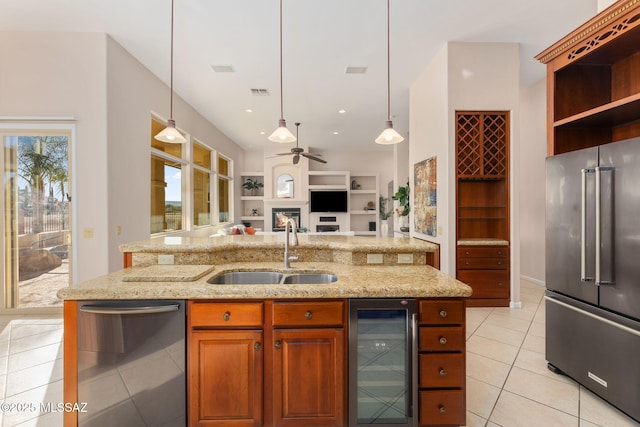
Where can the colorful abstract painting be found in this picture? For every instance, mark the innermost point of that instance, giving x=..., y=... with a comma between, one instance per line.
x=425, y=197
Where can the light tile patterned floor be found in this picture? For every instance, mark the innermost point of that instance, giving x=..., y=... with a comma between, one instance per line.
x=30, y=370
x=508, y=383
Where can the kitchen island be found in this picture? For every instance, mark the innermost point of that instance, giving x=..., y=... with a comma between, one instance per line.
x=278, y=332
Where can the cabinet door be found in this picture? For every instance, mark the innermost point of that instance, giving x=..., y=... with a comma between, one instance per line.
x=309, y=377
x=225, y=378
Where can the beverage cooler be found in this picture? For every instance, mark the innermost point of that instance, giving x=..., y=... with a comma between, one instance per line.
x=382, y=338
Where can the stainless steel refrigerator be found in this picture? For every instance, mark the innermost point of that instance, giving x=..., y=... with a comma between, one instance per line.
x=593, y=270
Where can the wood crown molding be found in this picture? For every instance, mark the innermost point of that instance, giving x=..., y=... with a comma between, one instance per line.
x=611, y=22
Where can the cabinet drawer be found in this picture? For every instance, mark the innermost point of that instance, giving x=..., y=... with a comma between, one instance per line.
x=486, y=283
x=441, y=312
x=482, y=263
x=442, y=338
x=441, y=370
x=224, y=314
x=442, y=407
x=308, y=313
x=483, y=251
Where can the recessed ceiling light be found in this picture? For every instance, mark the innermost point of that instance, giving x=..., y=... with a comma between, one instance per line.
x=222, y=68
x=263, y=133
x=336, y=132
x=248, y=110
x=355, y=70
x=342, y=111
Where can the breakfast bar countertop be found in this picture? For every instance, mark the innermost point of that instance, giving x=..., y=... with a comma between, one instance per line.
x=197, y=259
x=354, y=281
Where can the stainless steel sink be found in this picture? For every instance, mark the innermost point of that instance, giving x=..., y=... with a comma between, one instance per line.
x=308, y=278
x=247, y=278
x=270, y=278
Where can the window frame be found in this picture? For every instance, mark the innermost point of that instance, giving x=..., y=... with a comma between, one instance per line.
x=189, y=167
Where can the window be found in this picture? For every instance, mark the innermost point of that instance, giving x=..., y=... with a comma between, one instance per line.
x=184, y=193
x=166, y=184
x=201, y=185
x=224, y=188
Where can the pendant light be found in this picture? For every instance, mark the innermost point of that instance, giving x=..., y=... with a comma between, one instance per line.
x=281, y=134
x=170, y=133
x=389, y=134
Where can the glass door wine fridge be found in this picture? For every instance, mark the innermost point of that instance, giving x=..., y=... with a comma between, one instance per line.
x=381, y=367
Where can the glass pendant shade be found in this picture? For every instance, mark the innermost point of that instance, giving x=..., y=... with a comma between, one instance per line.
x=171, y=134
x=282, y=134
x=389, y=135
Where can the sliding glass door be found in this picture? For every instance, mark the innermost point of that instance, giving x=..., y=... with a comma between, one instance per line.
x=37, y=215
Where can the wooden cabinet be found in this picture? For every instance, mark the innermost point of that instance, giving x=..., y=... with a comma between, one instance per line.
x=225, y=356
x=482, y=189
x=225, y=378
x=441, y=362
x=593, y=81
x=267, y=363
x=309, y=377
x=486, y=270
x=309, y=364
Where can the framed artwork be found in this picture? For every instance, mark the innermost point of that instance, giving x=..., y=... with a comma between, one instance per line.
x=425, y=196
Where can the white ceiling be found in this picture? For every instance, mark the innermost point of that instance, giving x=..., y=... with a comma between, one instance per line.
x=320, y=39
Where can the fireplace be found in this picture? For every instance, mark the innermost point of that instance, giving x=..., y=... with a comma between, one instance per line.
x=280, y=216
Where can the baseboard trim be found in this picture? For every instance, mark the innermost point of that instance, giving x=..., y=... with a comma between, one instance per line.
x=533, y=280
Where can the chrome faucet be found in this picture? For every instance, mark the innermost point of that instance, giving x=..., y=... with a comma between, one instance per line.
x=291, y=224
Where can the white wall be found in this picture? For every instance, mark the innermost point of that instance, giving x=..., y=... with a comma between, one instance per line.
x=429, y=130
x=603, y=4
x=533, y=150
x=111, y=96
x=62, y=75
x=133, y=93
x=464, y=76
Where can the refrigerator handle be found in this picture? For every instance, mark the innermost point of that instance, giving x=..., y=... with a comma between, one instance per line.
x=598, y=277
x=583, y=227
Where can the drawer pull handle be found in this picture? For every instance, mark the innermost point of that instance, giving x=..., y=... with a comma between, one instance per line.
x=226, y=316
x=443, y=313
x=308, y=315
x=278, y=345
x=499, y=262
x=499, y=283
x=442, y=409
x=467, y=263
x=443, y=373
x=467, y=253
x=443, y=340
x=257, y=346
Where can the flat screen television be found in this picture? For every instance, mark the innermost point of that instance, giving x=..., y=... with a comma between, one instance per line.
x=328, y=201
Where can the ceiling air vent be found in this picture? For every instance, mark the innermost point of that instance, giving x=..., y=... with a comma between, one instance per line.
x=355, y=70
x=260, y=92
x=222, y=68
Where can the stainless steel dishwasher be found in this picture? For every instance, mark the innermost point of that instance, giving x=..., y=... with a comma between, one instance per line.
x=131, y=363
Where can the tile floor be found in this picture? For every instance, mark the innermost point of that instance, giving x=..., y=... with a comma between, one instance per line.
x=508, y=383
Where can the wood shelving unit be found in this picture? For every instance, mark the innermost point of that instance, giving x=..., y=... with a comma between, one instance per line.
x=482, y=187
x=593, y=81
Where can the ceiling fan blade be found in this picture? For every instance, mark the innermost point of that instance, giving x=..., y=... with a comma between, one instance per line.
x=315, y=154
x=296, y=159
x=309, y=156
x=278, y=155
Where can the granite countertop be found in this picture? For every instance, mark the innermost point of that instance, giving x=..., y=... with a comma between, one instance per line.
x=171, y=244
x=483, y=242
x=399, y=281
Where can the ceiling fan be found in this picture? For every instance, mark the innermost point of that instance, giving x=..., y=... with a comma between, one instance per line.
x=297, y=152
